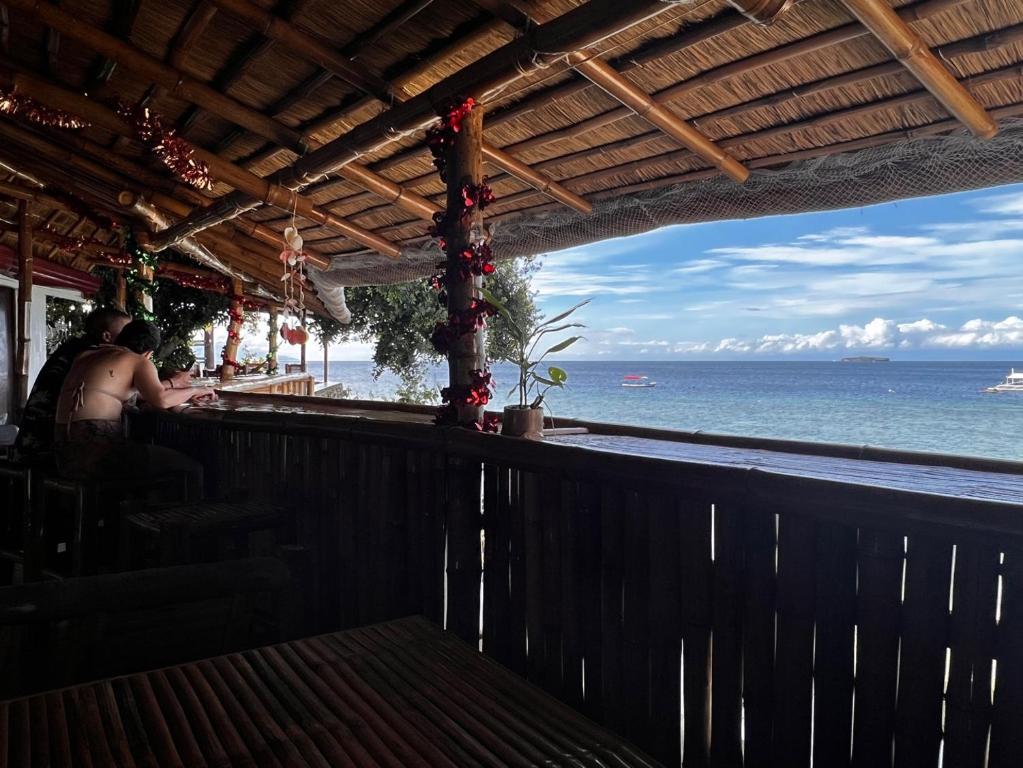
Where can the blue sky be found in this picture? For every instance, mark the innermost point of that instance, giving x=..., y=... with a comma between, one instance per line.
x=932, y=278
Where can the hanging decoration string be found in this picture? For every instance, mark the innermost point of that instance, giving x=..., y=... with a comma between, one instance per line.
x=14, y=103
x=294, y=279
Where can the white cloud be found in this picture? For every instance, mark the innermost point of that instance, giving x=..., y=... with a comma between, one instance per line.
x=878, y=334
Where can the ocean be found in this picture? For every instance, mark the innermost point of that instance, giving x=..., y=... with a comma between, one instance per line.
x=926, y=406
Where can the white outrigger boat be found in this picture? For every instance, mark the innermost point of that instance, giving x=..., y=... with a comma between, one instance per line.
x=1013, y=383
x=638, y=382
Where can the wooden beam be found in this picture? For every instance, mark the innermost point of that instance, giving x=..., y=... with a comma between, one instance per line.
x=579, y=28
x=272, y=338
x=602, y=74
x=223, y=170
x=21, y=373
x=907, y=47
x=313, y=49
x=148, y=68
x=762, y=11
x=234, y=330
x=465, y=167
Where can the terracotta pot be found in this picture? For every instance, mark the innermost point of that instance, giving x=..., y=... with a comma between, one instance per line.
x=522, y=422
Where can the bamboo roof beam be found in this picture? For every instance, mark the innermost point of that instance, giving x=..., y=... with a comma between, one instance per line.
x=273, y=194
x=725, y=22
x=907, y=47
x=93, y=160
x=315, y=50
x=579, y=28
x=144, y=66
x=973, y=45
x=238, y=64
x=188, y=89
x=603, y=75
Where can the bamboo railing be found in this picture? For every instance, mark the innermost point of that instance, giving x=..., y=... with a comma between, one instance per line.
x=746, y=607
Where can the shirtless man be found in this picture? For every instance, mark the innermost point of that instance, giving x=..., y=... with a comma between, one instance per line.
x=88, y=434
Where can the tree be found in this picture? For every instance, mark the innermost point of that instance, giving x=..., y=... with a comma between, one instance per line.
x=400, y=318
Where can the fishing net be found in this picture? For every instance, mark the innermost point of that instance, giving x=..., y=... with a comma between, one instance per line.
x=913, y=168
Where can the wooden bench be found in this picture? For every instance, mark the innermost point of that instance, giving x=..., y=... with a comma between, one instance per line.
x=57, y=633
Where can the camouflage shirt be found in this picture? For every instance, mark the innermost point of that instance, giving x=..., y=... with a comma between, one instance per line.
x=35, y=433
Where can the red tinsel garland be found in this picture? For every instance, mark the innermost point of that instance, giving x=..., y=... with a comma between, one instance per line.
x=440, y=138
x=13, y=103
x=173, y=151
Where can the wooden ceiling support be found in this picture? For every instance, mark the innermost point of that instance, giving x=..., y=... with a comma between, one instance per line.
x=603, y=75
x=188, y=89
x=907, y=47
x=146, y=67
x=579, y=28
x=223, y=170
x=318, y=52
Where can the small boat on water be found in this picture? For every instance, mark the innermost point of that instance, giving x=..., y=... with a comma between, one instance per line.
x=637, y=382
x=1013, y=383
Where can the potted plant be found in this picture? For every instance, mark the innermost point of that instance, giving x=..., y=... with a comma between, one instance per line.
x=526, y=418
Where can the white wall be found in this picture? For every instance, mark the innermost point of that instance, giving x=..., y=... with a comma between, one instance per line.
x=37, y=327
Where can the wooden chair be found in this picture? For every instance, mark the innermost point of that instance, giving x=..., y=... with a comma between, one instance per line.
x=74, y=525
x=54, y=634
x=199, y=532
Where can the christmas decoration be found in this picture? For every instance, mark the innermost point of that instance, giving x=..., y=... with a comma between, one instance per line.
x=475, y=260
x=173, y=151
x=14, y=103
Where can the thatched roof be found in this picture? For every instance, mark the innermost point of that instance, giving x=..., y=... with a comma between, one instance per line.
x=813, y=104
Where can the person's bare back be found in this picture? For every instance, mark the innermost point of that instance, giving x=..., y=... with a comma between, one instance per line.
x=98, y=384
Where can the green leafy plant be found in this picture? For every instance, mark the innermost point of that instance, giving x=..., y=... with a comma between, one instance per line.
x=527, y=334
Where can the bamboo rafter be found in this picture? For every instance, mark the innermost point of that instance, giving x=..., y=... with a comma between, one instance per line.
x=188, y=89
x=576, y=29
x=318, y=52
x=907, y=47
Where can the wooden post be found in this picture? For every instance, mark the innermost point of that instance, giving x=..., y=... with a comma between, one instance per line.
x=272, y=340
x=326, y=359
x=234, y=330
x=302, y=350
x=121, y=299
x=465, y=166
x=209, y=353
x=24, y=306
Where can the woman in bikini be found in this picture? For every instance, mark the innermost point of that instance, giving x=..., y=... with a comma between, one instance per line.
x=89, y=436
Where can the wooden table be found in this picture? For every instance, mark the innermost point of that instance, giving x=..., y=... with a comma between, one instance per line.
x=402, y=693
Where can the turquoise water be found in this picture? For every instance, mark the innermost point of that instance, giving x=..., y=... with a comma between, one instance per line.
x=916, y=406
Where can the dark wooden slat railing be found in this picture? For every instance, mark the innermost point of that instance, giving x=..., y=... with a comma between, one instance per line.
x=713, y=614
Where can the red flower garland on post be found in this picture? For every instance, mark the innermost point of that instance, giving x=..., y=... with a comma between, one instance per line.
x=476, y=260
x=235, y=318
x=173, y=151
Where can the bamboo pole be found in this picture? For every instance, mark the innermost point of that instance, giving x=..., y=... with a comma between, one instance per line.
x=245, y=181
x=907, y=47
x=602, y=74
x=315, y=50
x=579, y=28
x=21, y=387
x=143, y=66
x=209, y=354
x=326, y=360
x=465, y=166
x=121, y=298
x=302, y=350
x=234, y=330
x=272, y=338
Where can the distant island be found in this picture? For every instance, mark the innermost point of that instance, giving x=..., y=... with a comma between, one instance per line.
x=865, y=359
